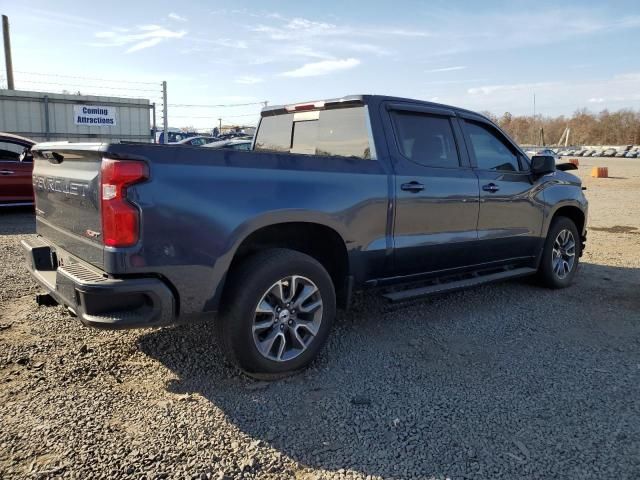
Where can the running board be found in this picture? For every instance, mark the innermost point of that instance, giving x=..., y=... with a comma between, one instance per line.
x=442, y=287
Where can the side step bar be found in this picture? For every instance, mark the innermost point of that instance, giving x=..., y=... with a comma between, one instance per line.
x=450, y=286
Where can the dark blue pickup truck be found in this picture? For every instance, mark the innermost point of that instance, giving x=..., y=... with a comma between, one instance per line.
x=336, y=196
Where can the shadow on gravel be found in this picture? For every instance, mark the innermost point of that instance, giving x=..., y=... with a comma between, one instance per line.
x=508, y=380
x=17, y=220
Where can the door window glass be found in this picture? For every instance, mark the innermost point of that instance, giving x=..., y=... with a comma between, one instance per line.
x=491, y=151
x=426, y=139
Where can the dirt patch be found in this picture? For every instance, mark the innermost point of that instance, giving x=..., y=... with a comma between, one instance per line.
x=617, y=229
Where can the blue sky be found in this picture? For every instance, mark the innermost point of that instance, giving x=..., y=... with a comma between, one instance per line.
x=490, y=55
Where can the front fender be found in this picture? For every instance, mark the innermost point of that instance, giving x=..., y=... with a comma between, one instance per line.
x=564, y=190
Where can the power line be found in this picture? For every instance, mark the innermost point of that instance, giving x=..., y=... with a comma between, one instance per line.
x=213, y=116
x=216, y=106
x=87, y=78
x=90, y=86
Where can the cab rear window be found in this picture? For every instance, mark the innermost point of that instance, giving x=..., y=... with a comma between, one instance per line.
x=339, y=132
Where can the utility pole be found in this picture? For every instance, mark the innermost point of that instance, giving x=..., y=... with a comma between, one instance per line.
x=7, y=52
x=155, y=127
x=165, y=119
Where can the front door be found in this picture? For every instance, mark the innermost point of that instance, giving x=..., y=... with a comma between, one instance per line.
x=15, y=176
x=436, y=208
x=511, y=211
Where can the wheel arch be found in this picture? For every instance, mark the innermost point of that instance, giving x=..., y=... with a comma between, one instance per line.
x=571, y=211
x=318, y=240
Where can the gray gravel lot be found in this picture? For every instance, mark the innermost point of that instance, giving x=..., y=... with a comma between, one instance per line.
x=505, y=381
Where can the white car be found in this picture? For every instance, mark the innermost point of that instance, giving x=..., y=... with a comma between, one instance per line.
x=545, y=151
x=196, y=141
x=232, y=144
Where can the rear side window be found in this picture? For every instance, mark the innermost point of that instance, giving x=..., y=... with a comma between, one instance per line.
x=274, y=134
x=339, y=132
x=426, y=139
x=492, y=152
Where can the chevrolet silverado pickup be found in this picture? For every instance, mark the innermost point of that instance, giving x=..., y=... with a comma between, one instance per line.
x=334, y=197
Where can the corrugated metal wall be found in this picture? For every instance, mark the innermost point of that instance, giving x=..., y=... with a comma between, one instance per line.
x=25, y=113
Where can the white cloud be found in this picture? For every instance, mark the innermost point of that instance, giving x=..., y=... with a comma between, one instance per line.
x=447, y=69
x=228, y=43
x=248, y=80
x=143, y=36
x=491, y=89
x=628, y=76
x=304, y=29
x=176, y=17
x=151, y=42
x=322, y=68
x=399, y=32
x=553, y=98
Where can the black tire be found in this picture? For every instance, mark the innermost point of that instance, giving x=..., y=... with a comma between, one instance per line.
x=547, y=276
x=247, y=284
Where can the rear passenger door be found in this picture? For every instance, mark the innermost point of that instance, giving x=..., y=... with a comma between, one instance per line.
x=511, y=213
x=436, y=191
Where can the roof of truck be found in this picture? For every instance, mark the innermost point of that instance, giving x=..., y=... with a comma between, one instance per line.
x=366, y=98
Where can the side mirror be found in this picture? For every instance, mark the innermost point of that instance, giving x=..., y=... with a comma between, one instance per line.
x=543, y=164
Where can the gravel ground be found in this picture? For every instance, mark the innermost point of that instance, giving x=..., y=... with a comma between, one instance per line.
x=505, y=381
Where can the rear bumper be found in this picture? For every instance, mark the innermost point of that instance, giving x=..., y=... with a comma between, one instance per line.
x=99, y=301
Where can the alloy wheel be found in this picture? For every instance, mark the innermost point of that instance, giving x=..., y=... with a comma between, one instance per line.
x=287, y=318
x=563, y=256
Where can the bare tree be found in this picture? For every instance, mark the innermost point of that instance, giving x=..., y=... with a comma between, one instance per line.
x=587, y=128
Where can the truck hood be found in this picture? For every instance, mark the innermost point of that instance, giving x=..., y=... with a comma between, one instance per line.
x=569, y=178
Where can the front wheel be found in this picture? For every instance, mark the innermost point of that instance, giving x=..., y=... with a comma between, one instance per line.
x=278, y=311
x=561, y=254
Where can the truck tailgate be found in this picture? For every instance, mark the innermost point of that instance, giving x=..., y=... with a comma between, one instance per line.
x=66, y=183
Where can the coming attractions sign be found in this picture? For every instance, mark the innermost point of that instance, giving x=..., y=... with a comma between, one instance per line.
x=94, y=115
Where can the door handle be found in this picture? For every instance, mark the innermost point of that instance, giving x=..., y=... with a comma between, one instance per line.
x=491, y=187
x=413, y=187
x=7, y=172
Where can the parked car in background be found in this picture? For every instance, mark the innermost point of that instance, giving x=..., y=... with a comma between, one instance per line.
x=233, y=144
x=16, y=187
x=632, y=154
x=596, y=153
x=547, y=152
x=198, y=141
x=580, y=152
x=620, y=153
x=230, y=135
x=174, y=135
x=609, y=152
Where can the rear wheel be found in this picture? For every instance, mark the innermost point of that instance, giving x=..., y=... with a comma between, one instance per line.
x=561, y=254
x=279, y=308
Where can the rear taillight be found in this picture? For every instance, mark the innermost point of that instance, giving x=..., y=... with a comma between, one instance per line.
x=120, y=218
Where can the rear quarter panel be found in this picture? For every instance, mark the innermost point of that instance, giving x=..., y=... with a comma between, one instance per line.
x=200, y=204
